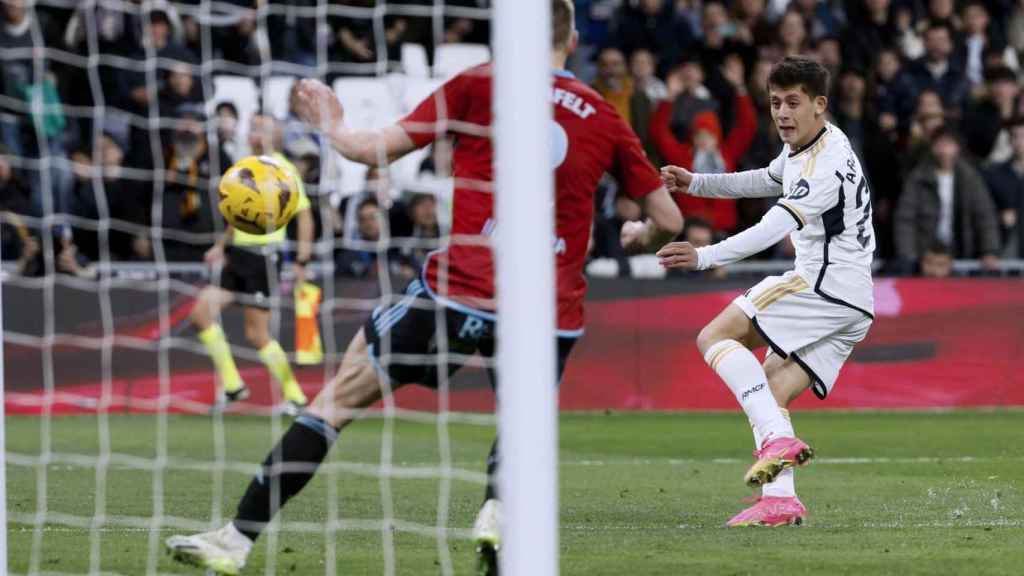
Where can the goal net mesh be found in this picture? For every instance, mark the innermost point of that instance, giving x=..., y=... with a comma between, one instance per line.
x=118, y=118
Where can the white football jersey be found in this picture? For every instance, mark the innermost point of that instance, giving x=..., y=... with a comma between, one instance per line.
x=824, y=189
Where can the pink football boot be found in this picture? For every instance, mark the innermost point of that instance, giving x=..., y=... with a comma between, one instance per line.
x=775, y=456
x=771, y=511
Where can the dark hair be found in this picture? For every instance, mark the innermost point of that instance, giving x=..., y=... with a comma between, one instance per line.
x=696, y=222
x=938, y=25
x=940, y=248
x=1000, y=74
x=946, y=131
x=1014, y=122
x=794, y=71
x=226, y=105
x=562, y=15
x=368, y=201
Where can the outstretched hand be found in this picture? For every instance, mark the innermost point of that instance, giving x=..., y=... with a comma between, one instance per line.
x=317, y=105
x=682, y=255
x=677, y=180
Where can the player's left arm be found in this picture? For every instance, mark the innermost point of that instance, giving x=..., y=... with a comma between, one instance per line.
x=319, y=108
x=772, y=228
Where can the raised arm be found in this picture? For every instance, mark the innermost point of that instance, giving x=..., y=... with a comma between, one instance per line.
x=761, y=183
x=319, y=108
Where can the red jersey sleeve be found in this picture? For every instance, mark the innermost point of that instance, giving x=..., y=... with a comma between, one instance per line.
x=429, y=119
x=633, y=170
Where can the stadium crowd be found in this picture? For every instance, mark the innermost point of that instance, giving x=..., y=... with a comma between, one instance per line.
x=928, y=91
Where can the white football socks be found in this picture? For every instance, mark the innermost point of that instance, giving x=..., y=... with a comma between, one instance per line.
x=784, y=483
x=743, y=374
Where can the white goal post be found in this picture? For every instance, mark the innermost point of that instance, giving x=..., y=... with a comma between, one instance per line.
x=524, y=182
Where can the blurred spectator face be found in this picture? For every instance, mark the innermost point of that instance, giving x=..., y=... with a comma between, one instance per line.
x=759, y=77
x=937, y=43
x=935, y=264
x=641, y=64
x=829, y=54
x=975, y=19
x=699, y=235
x=180, y=79
x=369, y=222
x=424, y=211
x=110, y=156
x=792, y=30
x=692, y=75
x=714, y=18
x=1004, y=91
x=651, y=7
x=611, y=66
x=159, y=30
x=227, y=123
x=751, y=9
x=940, y=9
x=1017, y=141
x=876, y=6
x=888, y=65
x=929, y=102
x=946, y=150
x=704, y=140
x=188, y=135
x=14, y=11
x=851, y=86
x=263, y=134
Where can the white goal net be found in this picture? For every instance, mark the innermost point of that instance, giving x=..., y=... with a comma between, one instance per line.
x=118, y=117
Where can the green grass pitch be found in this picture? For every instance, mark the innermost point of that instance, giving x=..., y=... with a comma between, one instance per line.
x=889, y=493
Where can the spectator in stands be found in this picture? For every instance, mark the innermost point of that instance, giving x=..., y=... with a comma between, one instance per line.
x=236, y=38
x=937, y=261
x=942, y=12
x=821, y=21
x=945, y=199
x=699, y=233
x=752, y=26
x=979, y=36
x=189, y=194
x=848, y=110
x=643, y=67
x=226, y=117
x=793, y=37
x=706, y=150
x=179, y=87
x=361, y=261
x=909, y=39
x=1015, y=27
x=829, y=54
x=416, y=220
x=929, y=118
x=616, y=86
x=894, y=91
x=17, y=243
x=986, y=138
x=294, y=129
x=937, y=70
x=653, y=25
x=1006, y=181
x=292, y=35
x=718, y=41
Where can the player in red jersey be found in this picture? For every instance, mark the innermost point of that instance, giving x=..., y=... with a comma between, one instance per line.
x=399, y=343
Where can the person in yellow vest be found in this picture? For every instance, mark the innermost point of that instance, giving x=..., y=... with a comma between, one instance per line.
x=249, y=276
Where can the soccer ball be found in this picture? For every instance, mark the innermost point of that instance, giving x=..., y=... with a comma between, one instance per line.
x=258, y=194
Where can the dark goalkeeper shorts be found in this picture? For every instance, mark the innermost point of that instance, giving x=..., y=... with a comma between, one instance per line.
x=406, y=338
x=249, y=273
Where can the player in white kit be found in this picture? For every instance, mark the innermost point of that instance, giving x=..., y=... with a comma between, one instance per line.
x=810, y=317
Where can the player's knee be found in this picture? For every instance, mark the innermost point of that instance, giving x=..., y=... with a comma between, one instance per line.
x=257, y=336
x=200, y=315
x=708, y=337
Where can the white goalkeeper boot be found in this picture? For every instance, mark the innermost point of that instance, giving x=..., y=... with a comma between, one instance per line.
x=223, y=551
x=487, y=537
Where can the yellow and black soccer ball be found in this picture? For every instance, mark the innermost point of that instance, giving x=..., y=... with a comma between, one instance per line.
x=258, y=195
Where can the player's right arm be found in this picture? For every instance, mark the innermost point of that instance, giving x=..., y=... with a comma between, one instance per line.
x=320, y=109
x=762, y=183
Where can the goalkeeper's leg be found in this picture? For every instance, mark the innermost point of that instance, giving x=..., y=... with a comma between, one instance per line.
x=289, y=466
